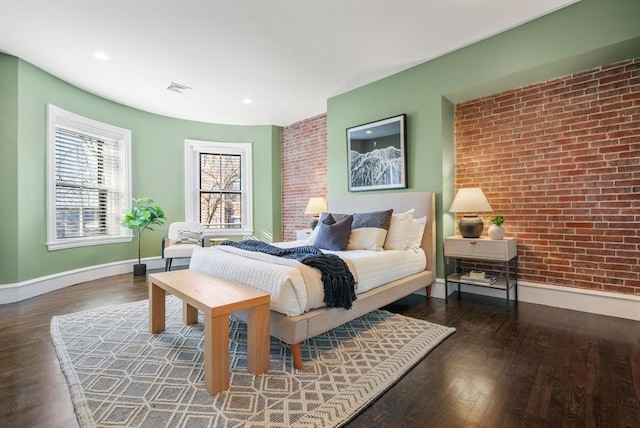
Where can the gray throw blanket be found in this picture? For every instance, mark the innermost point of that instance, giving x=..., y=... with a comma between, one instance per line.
x=339, y=284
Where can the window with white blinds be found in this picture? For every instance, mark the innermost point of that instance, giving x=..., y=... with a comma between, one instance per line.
x=89, y=181
x=218, y=187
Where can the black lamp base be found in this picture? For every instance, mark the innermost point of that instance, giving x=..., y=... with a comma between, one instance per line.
x=470, y=226
x=314, y=222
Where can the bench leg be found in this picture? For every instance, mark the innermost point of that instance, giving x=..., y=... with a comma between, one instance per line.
x=216, y=353
x=156, y=308
x=189, y=314
x=258, y=338
x=296, y=353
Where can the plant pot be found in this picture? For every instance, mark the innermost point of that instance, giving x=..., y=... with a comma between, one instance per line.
x=139, y=270
x=496, y=232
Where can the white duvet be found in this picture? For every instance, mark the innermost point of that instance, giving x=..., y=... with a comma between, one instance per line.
x=296, y=288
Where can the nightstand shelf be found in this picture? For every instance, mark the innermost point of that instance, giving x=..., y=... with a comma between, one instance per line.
x=457, y=248
x=500, y=284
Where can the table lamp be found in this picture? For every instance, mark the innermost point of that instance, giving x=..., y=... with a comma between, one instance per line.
x=470, y=201
x=315, y=207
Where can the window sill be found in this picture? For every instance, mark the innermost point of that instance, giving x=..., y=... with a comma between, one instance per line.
x=86, y=242
x=227, y=233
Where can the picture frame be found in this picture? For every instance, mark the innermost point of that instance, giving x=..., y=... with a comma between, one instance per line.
x=376, y=155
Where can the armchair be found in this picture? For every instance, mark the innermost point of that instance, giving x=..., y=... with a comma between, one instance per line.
x=181, y=240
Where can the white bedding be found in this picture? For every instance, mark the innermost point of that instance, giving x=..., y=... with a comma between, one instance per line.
x=296, y=288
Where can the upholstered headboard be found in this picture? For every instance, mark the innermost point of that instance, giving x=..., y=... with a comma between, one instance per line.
x=422, y=202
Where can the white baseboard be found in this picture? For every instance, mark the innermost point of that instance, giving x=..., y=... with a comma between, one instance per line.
x=10, y=293
x=577, y=299
x=596, y=302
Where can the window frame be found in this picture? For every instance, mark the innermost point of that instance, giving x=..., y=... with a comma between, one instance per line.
x=58, y=117
x=193, y=150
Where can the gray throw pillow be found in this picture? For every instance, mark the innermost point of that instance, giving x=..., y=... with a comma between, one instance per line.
x=333, y=235
x=379, y=219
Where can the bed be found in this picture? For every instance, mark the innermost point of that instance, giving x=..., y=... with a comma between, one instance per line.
x=296, y=314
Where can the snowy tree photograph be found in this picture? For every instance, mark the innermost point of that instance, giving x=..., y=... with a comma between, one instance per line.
x=377, y=155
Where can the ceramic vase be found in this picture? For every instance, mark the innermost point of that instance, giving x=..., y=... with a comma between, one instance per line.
x=496, y=232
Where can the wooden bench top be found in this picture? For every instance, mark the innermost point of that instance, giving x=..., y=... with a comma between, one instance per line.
x=214, y=296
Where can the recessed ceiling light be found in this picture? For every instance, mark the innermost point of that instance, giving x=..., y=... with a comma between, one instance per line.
x=368, y=131
x=247, y=101
x=101, y=56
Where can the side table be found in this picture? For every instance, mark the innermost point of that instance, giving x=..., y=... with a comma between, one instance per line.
x=505, y=250
x=303, y=234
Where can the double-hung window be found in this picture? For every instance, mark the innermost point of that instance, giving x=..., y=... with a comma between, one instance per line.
x=218, y=187
x=89, y=181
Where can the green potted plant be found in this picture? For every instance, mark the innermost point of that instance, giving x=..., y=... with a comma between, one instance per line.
x=496, y=231
x=139, y=218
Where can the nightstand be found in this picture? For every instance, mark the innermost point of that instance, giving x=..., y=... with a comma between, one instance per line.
x=505, y=250
x=303, y=234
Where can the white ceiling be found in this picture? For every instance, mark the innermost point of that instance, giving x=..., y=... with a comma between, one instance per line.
x=287, y=56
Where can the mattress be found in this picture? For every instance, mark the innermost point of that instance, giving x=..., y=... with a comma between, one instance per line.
x=296, y=288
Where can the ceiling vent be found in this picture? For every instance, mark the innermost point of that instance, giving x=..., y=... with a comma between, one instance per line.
x=177, y=87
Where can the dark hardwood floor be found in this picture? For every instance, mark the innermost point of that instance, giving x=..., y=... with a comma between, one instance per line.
x=531, y=366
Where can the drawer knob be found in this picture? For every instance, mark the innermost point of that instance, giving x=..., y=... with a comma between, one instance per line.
x=472, y=242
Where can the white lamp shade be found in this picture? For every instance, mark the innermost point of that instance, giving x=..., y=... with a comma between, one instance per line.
x=316, y=206
x=470, y=200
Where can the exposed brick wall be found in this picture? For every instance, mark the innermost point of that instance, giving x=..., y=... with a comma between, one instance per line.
x=304, y=171
x=561, y=161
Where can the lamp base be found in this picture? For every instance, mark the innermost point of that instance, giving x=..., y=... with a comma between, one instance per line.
x=470, y=226
x=314, y=222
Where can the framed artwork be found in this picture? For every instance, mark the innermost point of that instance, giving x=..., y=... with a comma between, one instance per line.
x=376, y=153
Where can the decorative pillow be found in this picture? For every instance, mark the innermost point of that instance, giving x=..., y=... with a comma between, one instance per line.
x=398, y=233
x=380, y=219
x=415, y=232
x=312, y=238
x=369, y=230
x=336, y=216
x=314, y=233
x=332, y=234
x=189, y=237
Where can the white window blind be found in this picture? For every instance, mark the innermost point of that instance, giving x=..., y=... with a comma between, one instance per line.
x=89, y=181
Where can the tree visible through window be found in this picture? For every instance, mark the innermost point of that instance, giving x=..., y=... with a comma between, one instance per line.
x=218, y=186
x=220, y=191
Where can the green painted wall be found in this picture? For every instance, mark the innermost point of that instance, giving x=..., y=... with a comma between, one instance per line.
x=587, y=34
x=8, y=169
x=158, y=170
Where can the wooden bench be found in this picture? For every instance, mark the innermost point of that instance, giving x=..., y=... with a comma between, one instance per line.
x=216, y=298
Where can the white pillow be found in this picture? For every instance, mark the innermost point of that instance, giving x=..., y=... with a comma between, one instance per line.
x=366, y=238
x=399, y=230
x=312, y=237
x=415, y=233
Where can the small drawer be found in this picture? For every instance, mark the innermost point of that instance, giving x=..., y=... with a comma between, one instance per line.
x=481, y=248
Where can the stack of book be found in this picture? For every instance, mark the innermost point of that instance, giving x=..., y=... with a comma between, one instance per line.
x=475, y=279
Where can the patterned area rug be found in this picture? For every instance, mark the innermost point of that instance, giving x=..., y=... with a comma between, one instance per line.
x=120, y=375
